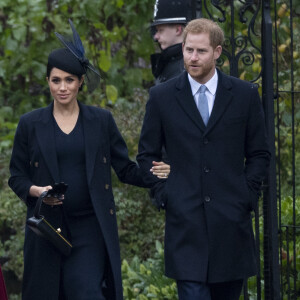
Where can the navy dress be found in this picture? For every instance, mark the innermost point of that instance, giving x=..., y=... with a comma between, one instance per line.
x=82, y=273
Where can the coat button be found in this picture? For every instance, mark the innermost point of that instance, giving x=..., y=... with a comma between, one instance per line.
x=104, y=159
x=107, y=186
x=111, y=211
x=205, y=141
x=206, y=198
x=206, y=169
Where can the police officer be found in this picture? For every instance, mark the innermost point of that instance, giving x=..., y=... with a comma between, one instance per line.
x=170, y=17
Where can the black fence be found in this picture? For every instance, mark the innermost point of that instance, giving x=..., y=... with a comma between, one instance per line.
x=287, y=109
x=263, y=46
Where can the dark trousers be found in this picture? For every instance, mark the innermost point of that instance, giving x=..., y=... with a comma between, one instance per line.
x=189, y=290
x=82, y=272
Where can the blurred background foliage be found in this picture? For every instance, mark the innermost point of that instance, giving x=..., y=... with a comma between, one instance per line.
x=117, y=40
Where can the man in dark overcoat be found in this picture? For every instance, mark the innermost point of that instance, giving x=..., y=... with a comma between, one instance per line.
x=212, y=126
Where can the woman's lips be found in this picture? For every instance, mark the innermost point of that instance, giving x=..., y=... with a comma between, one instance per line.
x=64, y=96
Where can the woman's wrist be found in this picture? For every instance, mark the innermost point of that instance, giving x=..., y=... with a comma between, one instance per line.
x=36, y=191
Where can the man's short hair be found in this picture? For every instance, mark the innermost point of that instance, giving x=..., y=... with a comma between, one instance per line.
x=202, y=25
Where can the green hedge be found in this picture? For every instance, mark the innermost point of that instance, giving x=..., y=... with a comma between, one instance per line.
x=146, y=280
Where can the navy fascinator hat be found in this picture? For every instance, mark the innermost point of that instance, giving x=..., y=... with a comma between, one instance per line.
x=64, y=60
x=71, y=59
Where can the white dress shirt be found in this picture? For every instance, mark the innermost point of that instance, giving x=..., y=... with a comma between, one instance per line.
x=211, y=88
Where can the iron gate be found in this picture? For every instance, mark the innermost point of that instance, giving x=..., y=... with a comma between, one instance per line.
x=260, y=47
x=287, y=109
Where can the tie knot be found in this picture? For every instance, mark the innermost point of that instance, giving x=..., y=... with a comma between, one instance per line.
x=202, y=89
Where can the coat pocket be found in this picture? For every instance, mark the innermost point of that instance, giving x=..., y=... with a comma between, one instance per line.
x=252, y=195
x=235, y=120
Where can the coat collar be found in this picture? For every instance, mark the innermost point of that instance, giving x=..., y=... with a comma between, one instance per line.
x=46, y=139
x=186, y=100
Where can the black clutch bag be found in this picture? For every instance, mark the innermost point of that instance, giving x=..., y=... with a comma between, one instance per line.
x=43, y=228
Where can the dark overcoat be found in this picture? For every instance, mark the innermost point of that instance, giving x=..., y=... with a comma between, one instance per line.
x=216, y=175
x=34, y=162
x=167, y=64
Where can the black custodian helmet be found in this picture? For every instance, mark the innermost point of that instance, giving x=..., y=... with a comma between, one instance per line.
x=170, y=12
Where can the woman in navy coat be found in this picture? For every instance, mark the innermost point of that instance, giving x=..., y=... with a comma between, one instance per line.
x=76, y=144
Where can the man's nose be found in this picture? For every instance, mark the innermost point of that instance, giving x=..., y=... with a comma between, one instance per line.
x=194, y=55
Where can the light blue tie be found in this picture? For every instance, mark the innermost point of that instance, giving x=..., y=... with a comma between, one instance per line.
x=203, y=104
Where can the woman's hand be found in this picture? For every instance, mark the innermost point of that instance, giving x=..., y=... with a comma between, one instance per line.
x=36, y=191
x=160, y=169
x=53, y=201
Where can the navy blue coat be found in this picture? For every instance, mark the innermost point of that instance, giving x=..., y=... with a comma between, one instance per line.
x=215, y=179
x=34, y=162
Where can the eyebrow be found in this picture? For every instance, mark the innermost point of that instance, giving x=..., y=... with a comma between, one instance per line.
x=67, y=77
x=192, y=48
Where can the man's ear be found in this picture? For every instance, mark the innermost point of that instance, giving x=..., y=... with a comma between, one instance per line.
x=217, y=52
x=179, y=29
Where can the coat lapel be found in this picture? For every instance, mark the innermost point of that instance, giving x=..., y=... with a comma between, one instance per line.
x=44, y=129
x=222, y=100
x=92, y=138
x=186, y=101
